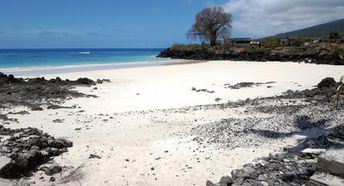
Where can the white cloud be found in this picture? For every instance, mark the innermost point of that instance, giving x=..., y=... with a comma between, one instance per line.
x=266, y=17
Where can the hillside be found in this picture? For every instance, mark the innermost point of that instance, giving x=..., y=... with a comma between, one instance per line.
x=316, y=31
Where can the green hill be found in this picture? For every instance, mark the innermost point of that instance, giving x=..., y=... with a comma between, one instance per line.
x=316, y=31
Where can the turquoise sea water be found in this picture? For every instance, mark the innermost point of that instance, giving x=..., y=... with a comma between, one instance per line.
x=21, y=58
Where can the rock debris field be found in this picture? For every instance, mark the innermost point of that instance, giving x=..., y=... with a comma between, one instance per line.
x=252, y=123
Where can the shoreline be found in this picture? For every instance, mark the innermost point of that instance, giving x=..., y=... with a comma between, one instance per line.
x=51, y=70
x=36, y=70
x=46, y=70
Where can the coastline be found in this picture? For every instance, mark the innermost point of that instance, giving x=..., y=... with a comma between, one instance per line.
x=110, y=93
x=43, y=70
x=46, y=70
x=84, y=68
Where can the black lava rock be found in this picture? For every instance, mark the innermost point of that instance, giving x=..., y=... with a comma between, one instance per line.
x=26, y=149
x=328, y=82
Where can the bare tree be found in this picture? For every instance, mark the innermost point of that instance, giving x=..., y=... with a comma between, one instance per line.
x=212, y=24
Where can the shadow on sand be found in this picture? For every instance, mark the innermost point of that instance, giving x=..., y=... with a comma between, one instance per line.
x=317, y=134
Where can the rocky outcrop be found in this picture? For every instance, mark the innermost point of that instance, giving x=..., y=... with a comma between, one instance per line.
x=318, y=58
x=23, y=150
x=326, y=83
x=324, y=92
x=292, y=168
x=246, y=85
x=34, y=92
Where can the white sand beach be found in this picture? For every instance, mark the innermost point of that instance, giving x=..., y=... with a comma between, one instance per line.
x=162, y=87
x=139, y=144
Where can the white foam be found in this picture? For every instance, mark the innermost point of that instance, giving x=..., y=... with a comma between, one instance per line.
x=40, y=70
x=84, y=52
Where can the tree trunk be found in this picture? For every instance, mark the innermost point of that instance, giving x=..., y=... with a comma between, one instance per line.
x=213, y=42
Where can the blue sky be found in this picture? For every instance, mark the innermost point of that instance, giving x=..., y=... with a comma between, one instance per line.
x=146, y=23
x=97, y=23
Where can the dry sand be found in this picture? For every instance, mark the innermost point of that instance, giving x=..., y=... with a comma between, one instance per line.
x=142, y=148
x=170, y=86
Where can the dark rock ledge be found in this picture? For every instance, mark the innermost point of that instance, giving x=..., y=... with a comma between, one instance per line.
x=317, y=58
x=36, y=92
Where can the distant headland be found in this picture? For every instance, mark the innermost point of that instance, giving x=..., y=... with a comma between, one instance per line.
x=320, y=44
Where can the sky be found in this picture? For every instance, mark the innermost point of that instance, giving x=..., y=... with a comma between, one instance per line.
x=269, y=17
x=146, y=23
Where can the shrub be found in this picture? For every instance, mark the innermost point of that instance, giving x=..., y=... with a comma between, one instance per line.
x=334, y=35
x=193, y=48
x=293, y=51
x=311, y=50
x=299, y=42
x=338, y=51
x=271, y=43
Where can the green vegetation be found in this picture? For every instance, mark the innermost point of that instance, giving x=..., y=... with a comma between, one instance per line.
x=334, y=35
x=310, y=50
x=318, y=44
x=293, y=52
x=298, y=42
x=322, y=52
x=269, y=46
x=339, y=51
x=192, y=48
x=271, y=43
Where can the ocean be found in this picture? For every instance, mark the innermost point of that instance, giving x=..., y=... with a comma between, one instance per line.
x=24, y=58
